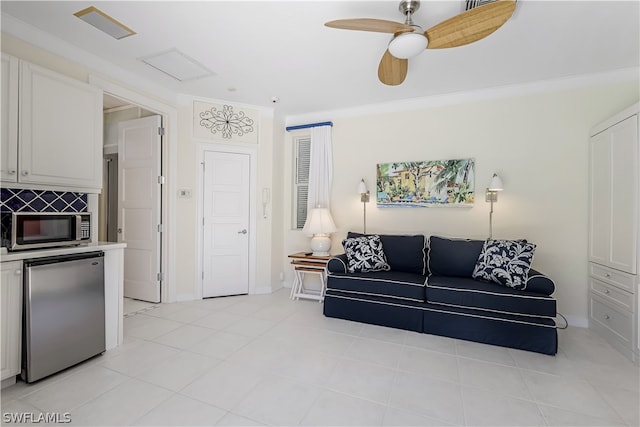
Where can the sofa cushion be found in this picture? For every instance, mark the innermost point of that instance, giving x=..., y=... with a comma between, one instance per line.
x=464, y=292
x=453, y=257
x=506, y=262
x=365, y=254
x=400, y=285
x=404, y=253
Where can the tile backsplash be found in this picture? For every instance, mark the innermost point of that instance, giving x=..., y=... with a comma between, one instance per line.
x=17, y=200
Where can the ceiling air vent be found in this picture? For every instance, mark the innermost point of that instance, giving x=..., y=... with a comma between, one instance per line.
x=472, y=4
x=104, y=23
x=177, y=65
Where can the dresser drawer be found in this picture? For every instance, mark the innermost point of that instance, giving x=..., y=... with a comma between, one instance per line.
x=614, y=321
x=617, y=278
x=613, y=294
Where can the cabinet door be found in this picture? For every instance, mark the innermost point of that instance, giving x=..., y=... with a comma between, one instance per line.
x=9, y=152
x=11, y=306
x=60, y=130
x=614, y=196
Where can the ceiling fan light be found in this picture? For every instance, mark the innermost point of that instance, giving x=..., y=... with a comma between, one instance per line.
x=407, y=45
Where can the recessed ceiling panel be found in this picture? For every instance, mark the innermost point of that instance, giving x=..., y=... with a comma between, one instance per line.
x=177, y=65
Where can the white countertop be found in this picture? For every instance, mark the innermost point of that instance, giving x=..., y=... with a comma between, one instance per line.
x=67, y=250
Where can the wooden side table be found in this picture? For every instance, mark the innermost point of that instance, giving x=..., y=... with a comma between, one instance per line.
x=305, y=263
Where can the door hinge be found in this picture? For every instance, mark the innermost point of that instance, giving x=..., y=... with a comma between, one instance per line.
x=160, y=228
x=203, y=275
x=160, y=277
x=160, y=179
x=161, y=131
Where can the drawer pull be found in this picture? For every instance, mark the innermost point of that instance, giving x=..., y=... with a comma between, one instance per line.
x=607, y=317
x=607, y=275
x=607, y=291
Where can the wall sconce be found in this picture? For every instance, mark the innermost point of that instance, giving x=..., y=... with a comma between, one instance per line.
x=319, y=224
x=364, y=198
x=491, y=195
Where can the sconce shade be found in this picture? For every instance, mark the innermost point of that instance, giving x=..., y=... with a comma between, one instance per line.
x=362, y=187
x=495, y=184
x=319, y=221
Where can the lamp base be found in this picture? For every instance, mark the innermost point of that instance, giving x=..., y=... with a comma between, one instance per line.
x=320, y=244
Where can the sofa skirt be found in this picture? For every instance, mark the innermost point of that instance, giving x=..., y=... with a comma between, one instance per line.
x=525, y=333
x=521, y=332
x=374, y=310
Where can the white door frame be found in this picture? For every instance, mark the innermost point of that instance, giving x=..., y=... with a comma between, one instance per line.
x=222, y=148
x=169, y=170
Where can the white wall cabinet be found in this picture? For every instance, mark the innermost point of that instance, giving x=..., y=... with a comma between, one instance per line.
x=11, y=311
x=614, y=223
x=9, y=154
x=59, y=136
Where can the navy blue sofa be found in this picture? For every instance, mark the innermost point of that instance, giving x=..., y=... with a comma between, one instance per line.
x=430, y=289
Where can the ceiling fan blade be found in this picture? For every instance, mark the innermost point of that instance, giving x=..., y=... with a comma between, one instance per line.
x=392, y=71
x=470, y=26
x=369, y=24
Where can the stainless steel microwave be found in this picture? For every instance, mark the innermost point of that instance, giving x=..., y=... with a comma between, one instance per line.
x=34, y=230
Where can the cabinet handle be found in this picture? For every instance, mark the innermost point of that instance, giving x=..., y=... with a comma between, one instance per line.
x=25, y=173
x=12, y=171
x=607, y=275
x=607, y=291
x=606, y=317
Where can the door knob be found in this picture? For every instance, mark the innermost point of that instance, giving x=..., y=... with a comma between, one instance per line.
x=244, y=231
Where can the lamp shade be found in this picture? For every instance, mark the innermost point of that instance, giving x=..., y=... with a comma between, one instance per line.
x=362, y=187
x=319, y=221
x=407, y=45
x=495, y=184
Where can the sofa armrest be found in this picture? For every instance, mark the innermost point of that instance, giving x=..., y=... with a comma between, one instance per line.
x=539, y=283
x=337, y=264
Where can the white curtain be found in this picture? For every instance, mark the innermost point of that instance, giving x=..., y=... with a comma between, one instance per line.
x=320, y=168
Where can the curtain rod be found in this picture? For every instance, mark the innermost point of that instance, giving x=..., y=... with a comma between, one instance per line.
x=311, y=125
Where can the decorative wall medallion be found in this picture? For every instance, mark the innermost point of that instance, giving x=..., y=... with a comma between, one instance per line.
x=224, y=121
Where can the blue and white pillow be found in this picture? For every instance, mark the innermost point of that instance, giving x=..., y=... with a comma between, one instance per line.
x=365, y=254
x=506, y=262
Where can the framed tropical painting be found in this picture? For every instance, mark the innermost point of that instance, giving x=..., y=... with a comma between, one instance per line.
x=429, y=183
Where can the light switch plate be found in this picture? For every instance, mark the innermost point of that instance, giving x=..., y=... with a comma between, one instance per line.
x=184, y=193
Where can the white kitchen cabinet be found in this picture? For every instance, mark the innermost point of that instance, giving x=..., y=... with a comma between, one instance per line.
x=614, y=224
x=59, y=130
x=9, y=154
x=11, y=306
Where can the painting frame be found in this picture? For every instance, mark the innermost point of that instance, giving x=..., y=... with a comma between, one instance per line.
x=430, y=183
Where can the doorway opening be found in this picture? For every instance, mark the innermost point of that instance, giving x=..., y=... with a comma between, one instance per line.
x=130, y=205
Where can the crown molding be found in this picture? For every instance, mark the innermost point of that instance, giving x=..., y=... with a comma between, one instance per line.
x=623, y=75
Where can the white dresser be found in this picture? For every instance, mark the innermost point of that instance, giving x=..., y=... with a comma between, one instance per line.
x=614, y=224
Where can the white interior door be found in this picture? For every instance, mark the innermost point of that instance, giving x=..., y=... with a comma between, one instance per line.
x=226, y=195
x=139, y=221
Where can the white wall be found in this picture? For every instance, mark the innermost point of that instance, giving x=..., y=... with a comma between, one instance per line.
x=537, y=143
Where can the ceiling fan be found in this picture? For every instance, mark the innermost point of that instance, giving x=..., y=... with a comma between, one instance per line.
x=410, y=39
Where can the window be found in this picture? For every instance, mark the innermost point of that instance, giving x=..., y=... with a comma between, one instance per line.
x=302, y=157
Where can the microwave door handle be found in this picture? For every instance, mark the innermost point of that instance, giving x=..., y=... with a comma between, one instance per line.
x=78, y=228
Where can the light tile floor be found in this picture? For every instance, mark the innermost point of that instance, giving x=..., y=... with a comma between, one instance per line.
x=267, y=360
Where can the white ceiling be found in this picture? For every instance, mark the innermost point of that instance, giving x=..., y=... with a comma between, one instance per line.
x=264, y=49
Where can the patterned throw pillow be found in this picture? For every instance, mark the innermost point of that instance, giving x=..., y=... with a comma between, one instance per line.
x=506, y=262
x=365, y=254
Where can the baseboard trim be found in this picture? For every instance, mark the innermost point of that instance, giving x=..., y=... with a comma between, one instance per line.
x=577, y=321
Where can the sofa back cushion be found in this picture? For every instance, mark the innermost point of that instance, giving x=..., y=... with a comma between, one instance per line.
x=453, y=257
x=405, y=253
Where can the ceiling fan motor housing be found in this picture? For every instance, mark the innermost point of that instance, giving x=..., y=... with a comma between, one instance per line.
x=409, y=7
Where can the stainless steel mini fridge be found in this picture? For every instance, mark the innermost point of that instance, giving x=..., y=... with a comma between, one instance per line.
x=63, y=313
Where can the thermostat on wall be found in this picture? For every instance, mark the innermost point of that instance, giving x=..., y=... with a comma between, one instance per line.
x=184, y=193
